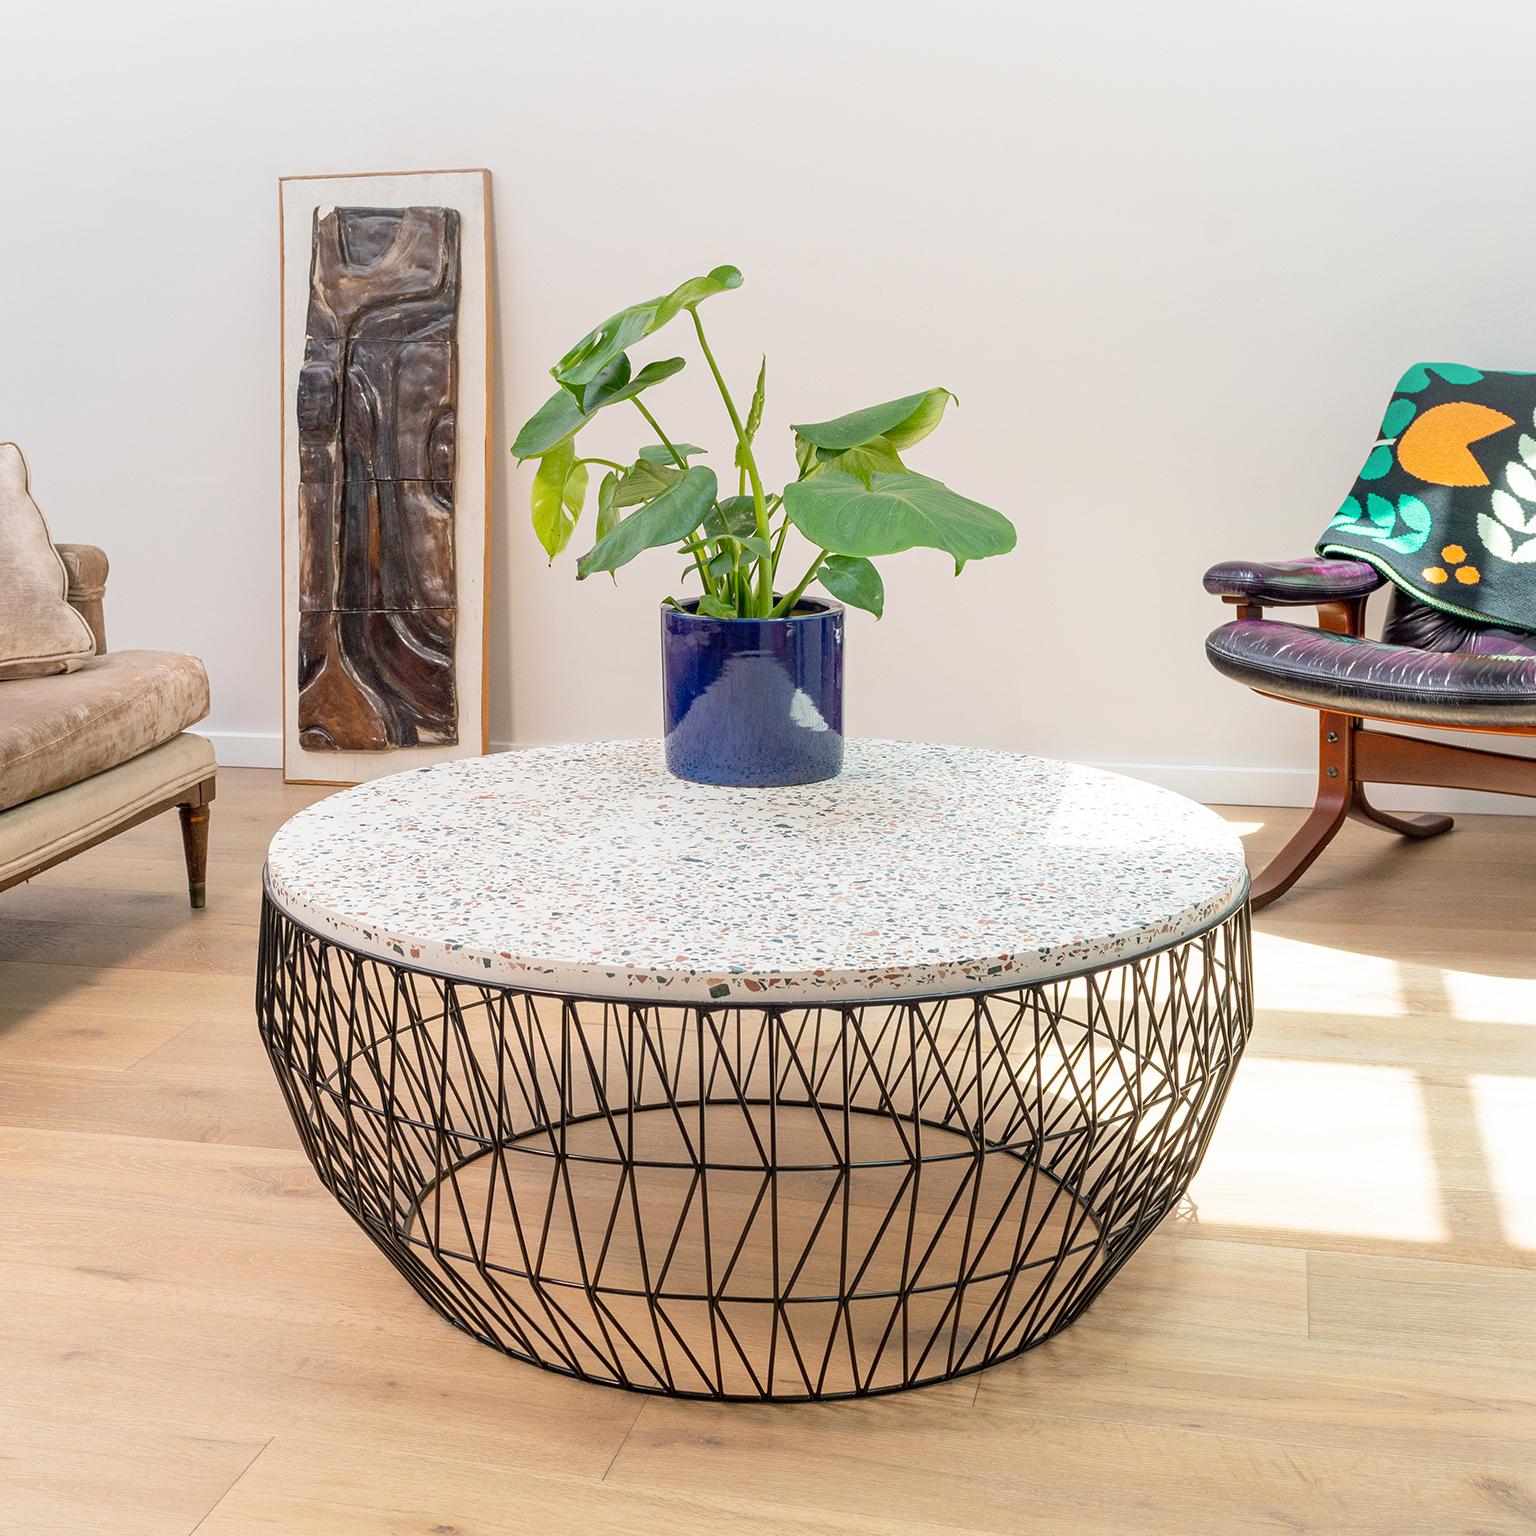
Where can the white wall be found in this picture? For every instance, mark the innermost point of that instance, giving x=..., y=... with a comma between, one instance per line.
x=1170, y=256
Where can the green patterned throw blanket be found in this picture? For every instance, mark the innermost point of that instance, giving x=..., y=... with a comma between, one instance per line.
x=1446, y=504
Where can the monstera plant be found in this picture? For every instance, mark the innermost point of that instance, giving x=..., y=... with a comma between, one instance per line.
x=854, y=498
x=752, y=661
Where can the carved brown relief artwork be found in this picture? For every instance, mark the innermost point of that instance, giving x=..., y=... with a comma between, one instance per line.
x=376, y=398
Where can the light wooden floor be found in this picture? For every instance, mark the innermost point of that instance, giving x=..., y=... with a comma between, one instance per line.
x=1339, y=1337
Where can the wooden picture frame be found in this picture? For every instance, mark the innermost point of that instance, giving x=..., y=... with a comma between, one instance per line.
x=468, y=193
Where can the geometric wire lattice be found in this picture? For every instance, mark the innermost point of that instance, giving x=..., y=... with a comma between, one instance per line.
x=746, y=1201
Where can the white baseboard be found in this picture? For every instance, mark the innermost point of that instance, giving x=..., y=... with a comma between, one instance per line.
x=1298, y=786
x=1200, y=781
x=245, y=749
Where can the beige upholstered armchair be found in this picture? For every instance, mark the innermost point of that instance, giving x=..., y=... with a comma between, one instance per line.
x=92, y=741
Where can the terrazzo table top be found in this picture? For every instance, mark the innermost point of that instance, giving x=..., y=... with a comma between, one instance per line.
x=921, y=870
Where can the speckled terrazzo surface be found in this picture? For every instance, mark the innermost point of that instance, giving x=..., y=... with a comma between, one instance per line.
x=921, y=869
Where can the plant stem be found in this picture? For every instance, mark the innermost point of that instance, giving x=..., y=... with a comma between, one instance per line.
x=610, y=463
x=778, y=544
x=783, y=533
x=682, y=464
x=666, y=442
x=786, y=604
x=735, y=587
x=764, y=596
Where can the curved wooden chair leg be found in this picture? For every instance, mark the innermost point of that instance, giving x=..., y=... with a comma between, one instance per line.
x=1293, y=861
x=1336, y=790
x=1431, y=824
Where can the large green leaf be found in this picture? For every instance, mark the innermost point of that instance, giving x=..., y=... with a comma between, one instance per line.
x=658, y=453
x=696, y=290
x=563, y=415
x=749, y=544
x=902, y=422
x=607, y=510
x=669, y=519
x=559, y=489
x=877, y=456
x=619, y=332
x=842, y=515
x=735, y=515
x=653, y=373
x=557, y=420
x=644, y=481
x=853, y=580
x=594, y=392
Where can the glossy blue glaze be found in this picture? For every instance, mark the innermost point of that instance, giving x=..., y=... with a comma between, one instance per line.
x=754, y=702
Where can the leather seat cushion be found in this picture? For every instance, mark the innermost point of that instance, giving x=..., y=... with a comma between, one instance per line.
x=56, y=731
x=1411, y=622
x=1375, y=677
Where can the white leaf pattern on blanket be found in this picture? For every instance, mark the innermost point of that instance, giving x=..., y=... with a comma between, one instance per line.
x=1511, y=516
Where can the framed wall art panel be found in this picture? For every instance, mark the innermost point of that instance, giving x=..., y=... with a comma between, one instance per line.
x=386, y=395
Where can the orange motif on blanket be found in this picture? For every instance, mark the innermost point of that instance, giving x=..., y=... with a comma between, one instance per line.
x=1434, y=447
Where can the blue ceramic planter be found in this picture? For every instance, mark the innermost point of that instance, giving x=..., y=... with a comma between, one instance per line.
x=754, y=702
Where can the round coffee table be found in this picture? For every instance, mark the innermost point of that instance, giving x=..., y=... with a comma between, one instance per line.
x=736, y=1093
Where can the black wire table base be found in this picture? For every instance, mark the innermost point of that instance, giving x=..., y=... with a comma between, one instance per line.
x=756, y=1201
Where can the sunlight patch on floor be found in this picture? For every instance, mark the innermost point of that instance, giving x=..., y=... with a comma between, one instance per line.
x=1491, y=999
x=1324, y=1147
x=1298, y=977
x=1246, y=828
x=1506, y=1121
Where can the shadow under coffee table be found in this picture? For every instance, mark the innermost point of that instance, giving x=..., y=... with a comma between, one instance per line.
x=792, y=1093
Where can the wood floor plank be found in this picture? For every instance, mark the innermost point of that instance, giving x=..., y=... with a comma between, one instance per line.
x=137, y=1101
x=57, y=1476
x=171, y=944
x=1369, y=1396
x=82, y=1015
x=1237, y=1289
x=401, y=1378
x=1423, y=1309
x=302, y=1487
x=1024, y=1473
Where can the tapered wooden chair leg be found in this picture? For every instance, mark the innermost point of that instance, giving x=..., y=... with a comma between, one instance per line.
x=194, y=842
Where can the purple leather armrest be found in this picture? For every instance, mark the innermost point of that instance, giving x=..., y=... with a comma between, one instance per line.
x=1312, y=579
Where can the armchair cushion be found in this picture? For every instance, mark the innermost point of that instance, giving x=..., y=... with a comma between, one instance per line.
x=1372, y=677
x=57, y=731
x=54, y=826
x=1410, y=622
x=1312, y=579
x=86, y=568
x=39, y=632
